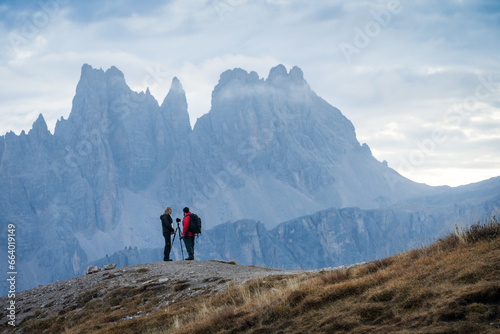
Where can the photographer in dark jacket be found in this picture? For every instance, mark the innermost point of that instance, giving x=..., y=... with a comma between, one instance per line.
x=168, y=230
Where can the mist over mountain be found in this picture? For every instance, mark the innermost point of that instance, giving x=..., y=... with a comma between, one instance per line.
x=268, y=151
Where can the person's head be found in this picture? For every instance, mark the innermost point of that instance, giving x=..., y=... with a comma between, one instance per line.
x=185, y=210
x=167, y=211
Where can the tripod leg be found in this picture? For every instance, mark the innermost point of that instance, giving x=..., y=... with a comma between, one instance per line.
x=180, y=242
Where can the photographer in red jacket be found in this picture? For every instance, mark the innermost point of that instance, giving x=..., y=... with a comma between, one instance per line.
x=188, y=236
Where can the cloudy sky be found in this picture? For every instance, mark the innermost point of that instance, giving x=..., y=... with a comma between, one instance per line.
x=420, y=80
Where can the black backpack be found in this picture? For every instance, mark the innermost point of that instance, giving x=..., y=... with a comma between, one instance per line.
x=194, y=224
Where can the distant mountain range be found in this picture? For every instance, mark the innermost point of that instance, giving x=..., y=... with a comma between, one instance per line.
x=269, y=151
x=334, y=237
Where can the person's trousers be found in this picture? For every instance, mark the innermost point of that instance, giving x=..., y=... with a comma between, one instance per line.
x=168, y=246
x=189, y=242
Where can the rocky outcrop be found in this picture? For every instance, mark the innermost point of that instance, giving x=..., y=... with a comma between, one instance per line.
x=96, y=269
x=170, y=282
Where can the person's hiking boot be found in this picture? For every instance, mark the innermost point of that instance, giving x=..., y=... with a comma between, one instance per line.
x=190, y=259
x=168, y=260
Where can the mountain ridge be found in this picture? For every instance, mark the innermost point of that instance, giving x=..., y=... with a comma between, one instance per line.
x=269, y=150
x=333, y=237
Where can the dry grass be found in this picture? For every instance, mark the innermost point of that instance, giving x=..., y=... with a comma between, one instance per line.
x=452, y=286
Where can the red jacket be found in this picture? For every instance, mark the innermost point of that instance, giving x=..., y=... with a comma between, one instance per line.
x=185, y=226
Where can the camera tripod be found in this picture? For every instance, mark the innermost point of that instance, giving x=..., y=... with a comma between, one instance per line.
x=178, y=232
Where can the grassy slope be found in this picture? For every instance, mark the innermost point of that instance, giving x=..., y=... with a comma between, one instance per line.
x=452, y=286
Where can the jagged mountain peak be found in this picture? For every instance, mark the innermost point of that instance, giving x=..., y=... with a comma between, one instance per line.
x=283, y=104
x=238, y=84
x=114, y=72
x=277, y=71
x=283, y=98
x=175, y=108
x=39, y=124
x=96, y=80
x=89, y=71
x=278, y=76
x=176, y=92
x=231, y=80
x=239, y=75
x=39, y=129
x=103, y=96
x=296, y=74
x=176, y=85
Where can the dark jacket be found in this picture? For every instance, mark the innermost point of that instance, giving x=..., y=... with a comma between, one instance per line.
x=185, y=226
x=166, y=224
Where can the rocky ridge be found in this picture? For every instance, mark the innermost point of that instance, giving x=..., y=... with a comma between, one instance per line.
x=168, y=281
